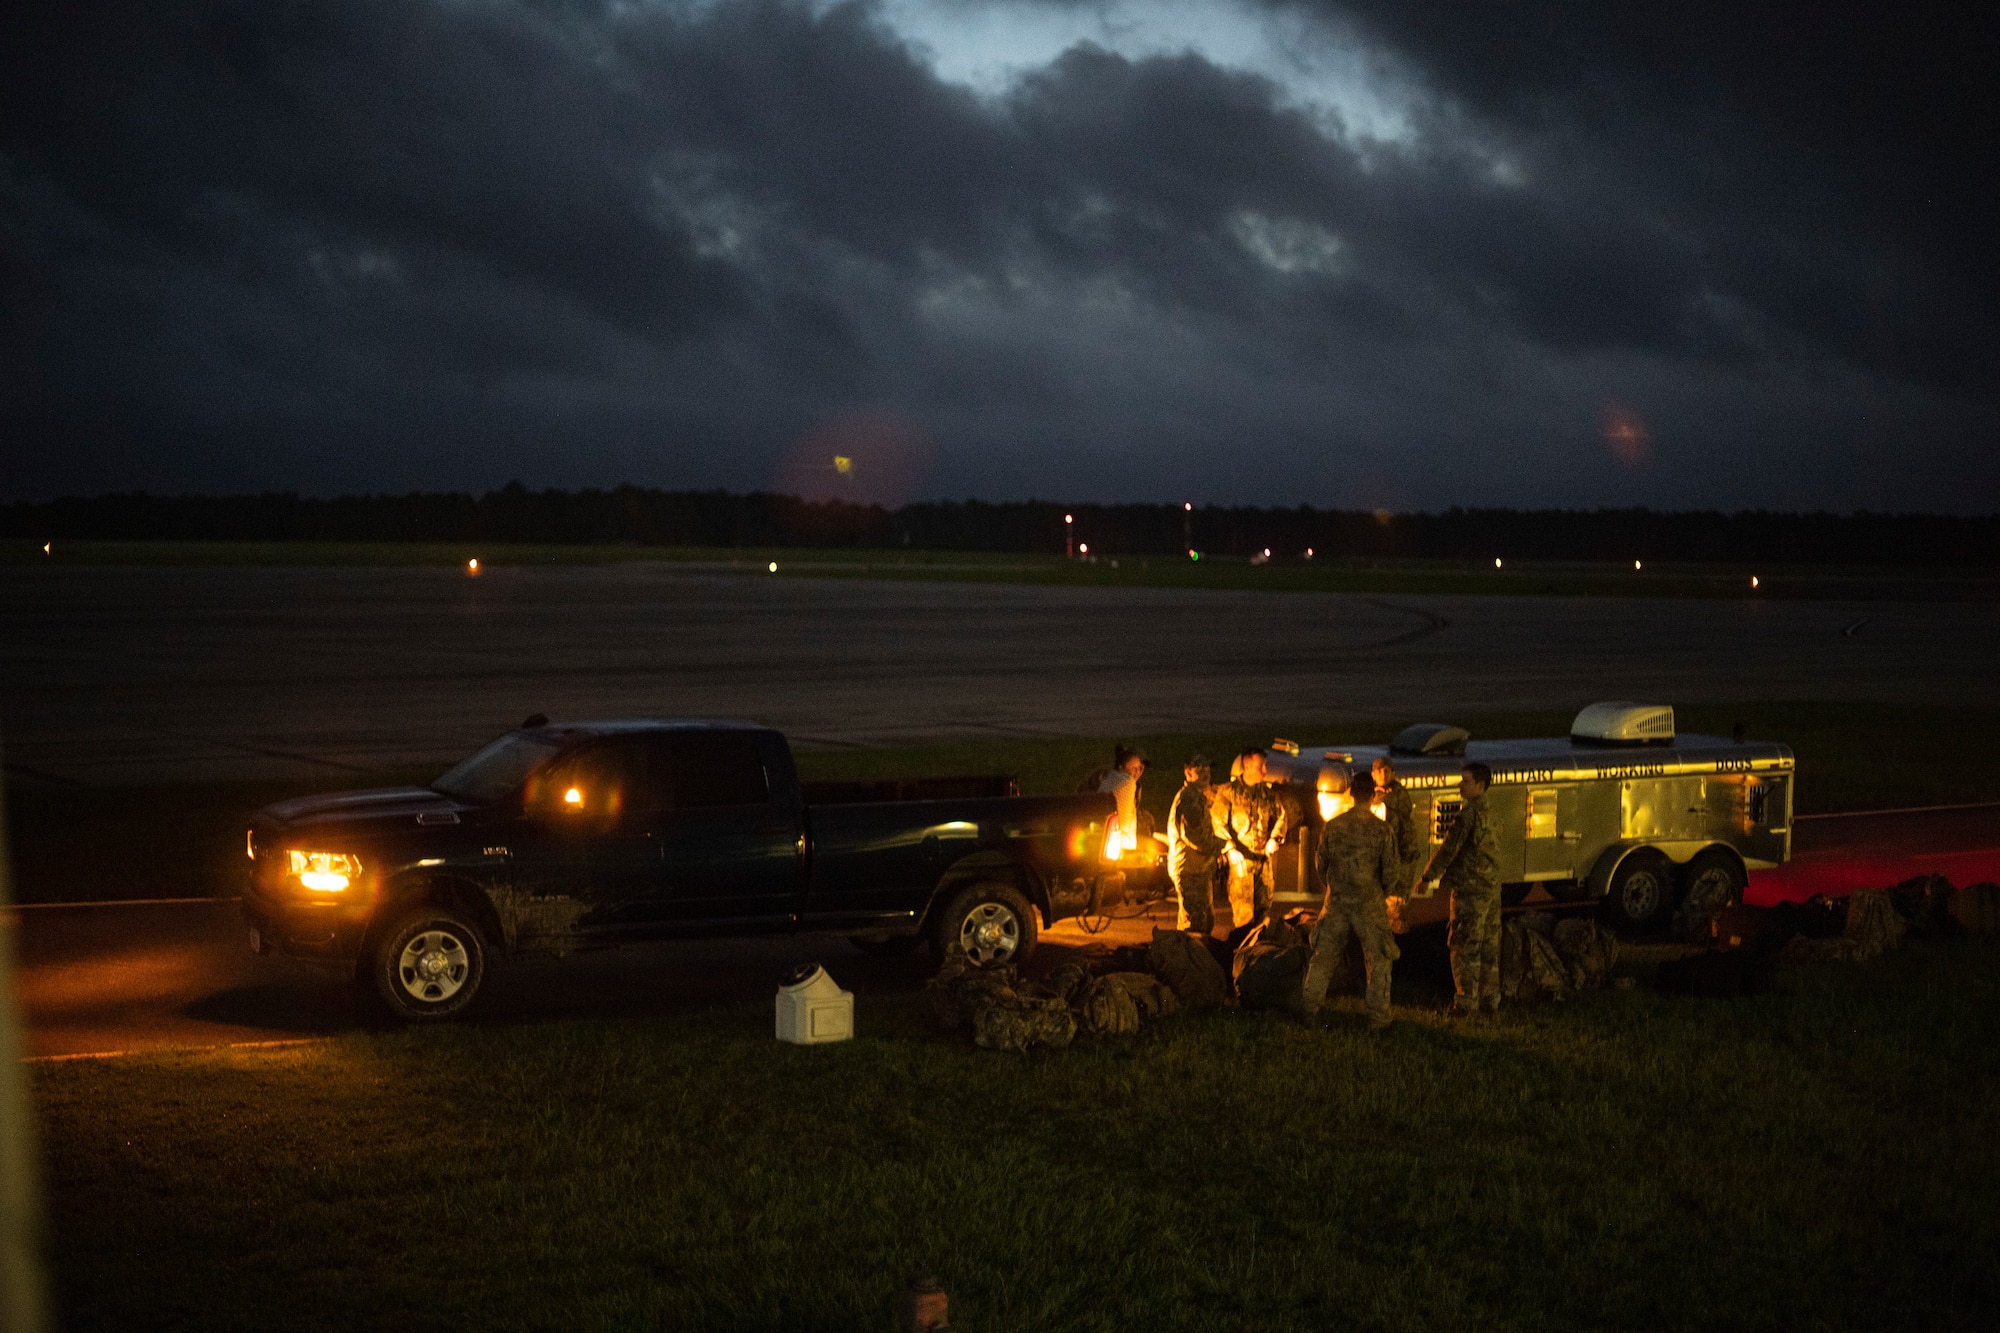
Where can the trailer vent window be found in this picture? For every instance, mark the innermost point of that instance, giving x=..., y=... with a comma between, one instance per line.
x=1542, y=813
x=1443, y=815
x=1760, y=804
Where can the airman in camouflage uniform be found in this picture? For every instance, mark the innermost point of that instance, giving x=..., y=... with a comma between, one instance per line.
x=1357, y=863
x=1468, y=866
x=1250, y=821
x=1401, y=813
x=1194, y=849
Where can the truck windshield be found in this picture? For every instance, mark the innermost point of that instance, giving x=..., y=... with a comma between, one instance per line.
x=496, y=771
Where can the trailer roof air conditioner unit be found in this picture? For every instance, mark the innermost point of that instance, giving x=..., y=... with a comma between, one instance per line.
x=1433, y=739
x=1624, y=724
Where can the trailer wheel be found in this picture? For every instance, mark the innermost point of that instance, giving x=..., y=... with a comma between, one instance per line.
x=427, y=965
x=992, y=922
x=1712, y=882
x=1640, y=896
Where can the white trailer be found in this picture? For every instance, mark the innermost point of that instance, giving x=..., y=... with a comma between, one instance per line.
x=1624, y=811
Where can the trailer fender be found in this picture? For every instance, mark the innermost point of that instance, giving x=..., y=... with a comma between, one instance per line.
x=1608, y=861
x=1679, y=851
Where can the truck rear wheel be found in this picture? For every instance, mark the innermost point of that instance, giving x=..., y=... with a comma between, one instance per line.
x=428, y=965
x=992, y=922
x=1640, y=897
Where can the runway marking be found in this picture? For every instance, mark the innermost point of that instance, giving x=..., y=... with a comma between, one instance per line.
x=125, y=902
x=167, y=1050
x=42, y=775
x=1433, y=623
x=297, y=758
x=1851, y=630
x=1905, y=810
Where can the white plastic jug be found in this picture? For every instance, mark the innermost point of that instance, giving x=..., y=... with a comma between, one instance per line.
x=812, y=1008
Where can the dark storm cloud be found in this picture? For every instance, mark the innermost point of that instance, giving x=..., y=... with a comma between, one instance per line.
x=384, y=245
x=1835, y=166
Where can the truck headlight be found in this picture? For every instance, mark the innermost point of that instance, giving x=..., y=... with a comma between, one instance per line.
x=325, y=872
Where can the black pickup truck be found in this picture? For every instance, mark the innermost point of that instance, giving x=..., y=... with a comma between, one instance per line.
x=564, y=836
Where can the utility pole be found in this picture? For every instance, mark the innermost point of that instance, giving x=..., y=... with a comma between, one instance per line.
x=1187, y=527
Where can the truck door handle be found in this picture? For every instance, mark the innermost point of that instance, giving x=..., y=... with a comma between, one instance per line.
x=1572, y=836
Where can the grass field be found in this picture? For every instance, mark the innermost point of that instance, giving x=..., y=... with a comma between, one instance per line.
x=1430, y=576
x=75, y=844
x=1823, y=1157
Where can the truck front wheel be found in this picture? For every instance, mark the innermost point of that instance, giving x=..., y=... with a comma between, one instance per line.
x=1640, y=896
x=427, y=965
x=993, y=923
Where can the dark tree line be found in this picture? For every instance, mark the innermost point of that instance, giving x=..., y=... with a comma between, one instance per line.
x=629, y=514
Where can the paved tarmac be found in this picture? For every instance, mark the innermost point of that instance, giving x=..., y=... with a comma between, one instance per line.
x=152, y=976
x=170, y=674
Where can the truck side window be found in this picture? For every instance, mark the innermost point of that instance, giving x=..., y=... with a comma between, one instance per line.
x=596, y=788
x=719, y=768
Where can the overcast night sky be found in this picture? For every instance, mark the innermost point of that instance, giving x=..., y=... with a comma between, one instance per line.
x=1366, y=254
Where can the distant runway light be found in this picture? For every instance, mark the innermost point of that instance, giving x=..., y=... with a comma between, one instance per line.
x=1636, y=564
x=774, y=566
x=1188, y=506
x=1496, y=562
x=1309, y=552
x=472, y=567
x=45, y=548
x=1083, y=548
x=843, y=464
x=1753, y=580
